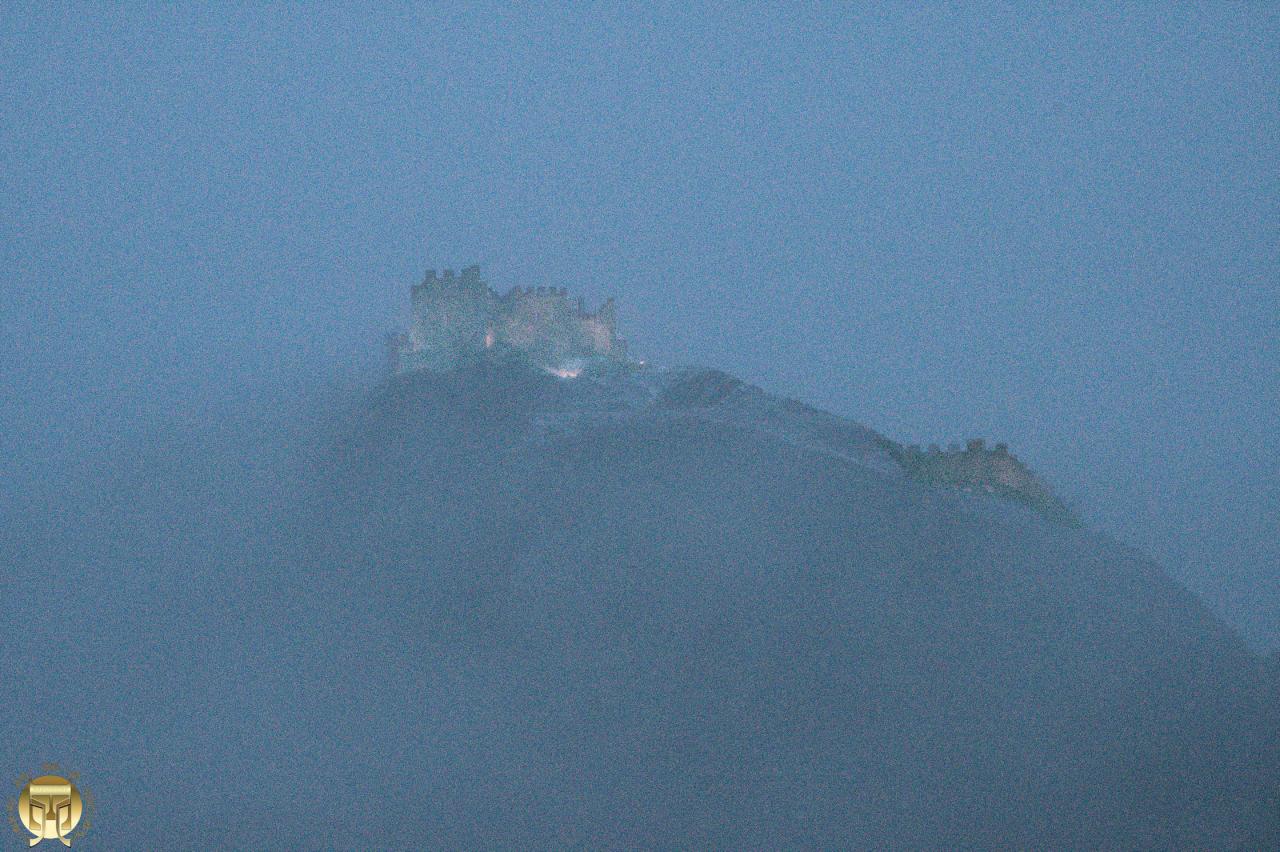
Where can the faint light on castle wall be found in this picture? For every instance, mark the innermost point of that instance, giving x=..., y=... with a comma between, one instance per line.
x=570, y=369
x=488, y=339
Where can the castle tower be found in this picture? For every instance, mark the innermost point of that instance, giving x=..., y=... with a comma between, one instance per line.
x=458, y=317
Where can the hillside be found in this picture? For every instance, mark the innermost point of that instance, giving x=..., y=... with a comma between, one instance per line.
x=666, y=609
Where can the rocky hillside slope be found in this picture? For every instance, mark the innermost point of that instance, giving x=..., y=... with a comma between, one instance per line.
x=661, y=610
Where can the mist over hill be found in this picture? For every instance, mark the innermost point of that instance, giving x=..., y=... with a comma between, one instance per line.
x=491, y=608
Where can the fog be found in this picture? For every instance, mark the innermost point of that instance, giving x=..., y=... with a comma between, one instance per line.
x=1056, y=229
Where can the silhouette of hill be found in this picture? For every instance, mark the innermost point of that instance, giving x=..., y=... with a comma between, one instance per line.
x=655, y=609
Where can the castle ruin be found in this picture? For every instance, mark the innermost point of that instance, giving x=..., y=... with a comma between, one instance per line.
x=458, y=318
x=991, y=471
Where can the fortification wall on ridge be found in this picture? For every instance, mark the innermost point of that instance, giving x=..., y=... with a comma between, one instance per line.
x=991, y=471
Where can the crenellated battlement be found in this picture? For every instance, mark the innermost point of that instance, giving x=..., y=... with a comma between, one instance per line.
x=459, y=316
x=470, y=276
x=975, y=467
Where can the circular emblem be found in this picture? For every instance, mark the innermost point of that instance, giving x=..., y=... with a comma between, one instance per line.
x=50, y=808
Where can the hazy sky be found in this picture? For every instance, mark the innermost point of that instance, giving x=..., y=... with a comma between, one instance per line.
x=1058, y=229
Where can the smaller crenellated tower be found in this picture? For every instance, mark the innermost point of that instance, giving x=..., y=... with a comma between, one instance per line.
x=990, y=471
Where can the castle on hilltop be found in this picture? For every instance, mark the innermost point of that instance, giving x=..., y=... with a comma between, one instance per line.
x=458, y=318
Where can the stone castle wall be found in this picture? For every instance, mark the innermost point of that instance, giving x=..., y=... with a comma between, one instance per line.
x=991, y=471
x=458, y=317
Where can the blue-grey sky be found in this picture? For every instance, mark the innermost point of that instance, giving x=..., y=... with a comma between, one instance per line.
x=1057, y=228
